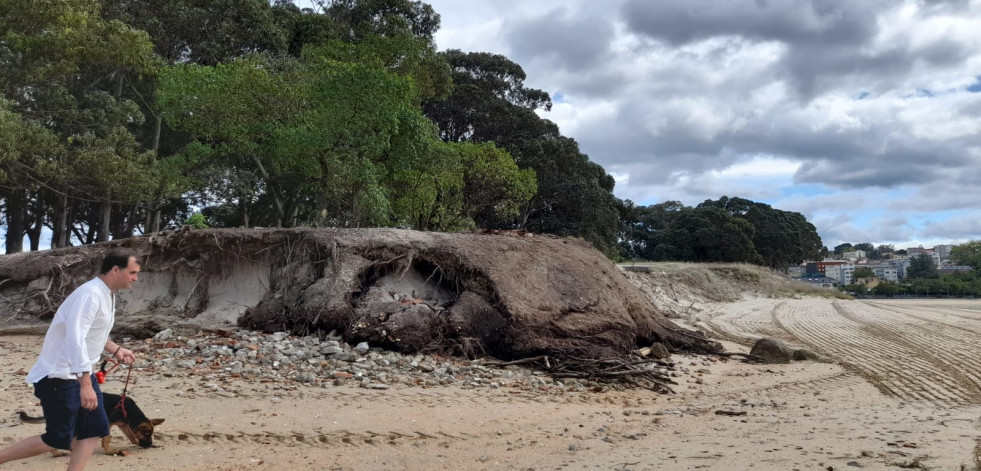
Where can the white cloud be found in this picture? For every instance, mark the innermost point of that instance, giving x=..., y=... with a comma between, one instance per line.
x=856, y=114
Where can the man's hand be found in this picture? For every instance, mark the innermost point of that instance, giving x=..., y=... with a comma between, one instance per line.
x=125, y=355
x=89, y=400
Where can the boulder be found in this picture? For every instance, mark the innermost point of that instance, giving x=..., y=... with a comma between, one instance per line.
x=772, y=351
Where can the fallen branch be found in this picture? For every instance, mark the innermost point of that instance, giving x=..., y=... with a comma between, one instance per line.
x=748, y=357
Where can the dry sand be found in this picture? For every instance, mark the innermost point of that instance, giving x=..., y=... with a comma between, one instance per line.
x=902, y=393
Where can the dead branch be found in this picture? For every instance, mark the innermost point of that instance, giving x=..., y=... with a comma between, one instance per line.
x=748, y=357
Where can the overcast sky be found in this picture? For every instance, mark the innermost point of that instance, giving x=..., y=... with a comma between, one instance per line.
x=865, y=116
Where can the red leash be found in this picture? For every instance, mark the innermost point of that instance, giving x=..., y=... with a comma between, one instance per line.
x=101, y=377
x=122, y=397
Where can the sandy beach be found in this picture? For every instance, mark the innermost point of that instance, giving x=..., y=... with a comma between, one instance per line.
x=900, y=392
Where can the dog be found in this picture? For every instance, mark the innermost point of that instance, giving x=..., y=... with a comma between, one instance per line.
x=127, y=417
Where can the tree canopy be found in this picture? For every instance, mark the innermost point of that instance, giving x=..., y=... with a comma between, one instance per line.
x=124, y=117
x=727, y=229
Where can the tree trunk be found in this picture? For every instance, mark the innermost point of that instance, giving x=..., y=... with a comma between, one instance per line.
x=155, y=218
x=123, y=223
x=130, y=226
x=16, y=225
x=277, y=200
x=243, y=206
x=156, y=132
x=105, y=212
x=34, y=233
x=60, y=233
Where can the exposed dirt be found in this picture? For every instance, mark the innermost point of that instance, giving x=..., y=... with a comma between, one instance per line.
x=508, y=295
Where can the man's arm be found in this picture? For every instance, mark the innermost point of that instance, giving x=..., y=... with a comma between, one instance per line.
x=121, y=354
x=87, y=394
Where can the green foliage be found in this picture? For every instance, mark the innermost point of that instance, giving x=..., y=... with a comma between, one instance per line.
x=205, y=31
x=196, y=221
x=857, y=288
x=863, y=272
x=23, y=142
x=704, y=235
x=782, y=238
x=494, y=186
x=490, y=103
x=62, y=70
x=968, y=254
x=922, y=266
x=887, y=288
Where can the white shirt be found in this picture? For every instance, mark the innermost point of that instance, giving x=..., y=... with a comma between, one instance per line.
x=77, y=334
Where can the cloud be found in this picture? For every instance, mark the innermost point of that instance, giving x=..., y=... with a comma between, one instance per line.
x=871, y=110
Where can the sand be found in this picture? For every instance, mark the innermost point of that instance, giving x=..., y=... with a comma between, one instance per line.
x=901, y=391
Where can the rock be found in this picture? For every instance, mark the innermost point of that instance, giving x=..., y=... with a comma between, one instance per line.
x=772, y=351
x=345, y=356
x=362, y=348
x=164, y=334
x=802, y=354
x=659, y=351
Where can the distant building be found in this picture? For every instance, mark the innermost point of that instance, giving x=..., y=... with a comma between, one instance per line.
x=841, y=272
x=796, y=271
x=854, y=255
x=914, y=251
x=949, y=270
x=886, y=272
x=819, y=281
x=822, y=267
x=900, y=264
x=943, y=251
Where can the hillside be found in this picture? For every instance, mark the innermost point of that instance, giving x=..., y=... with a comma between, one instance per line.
x=682, y=290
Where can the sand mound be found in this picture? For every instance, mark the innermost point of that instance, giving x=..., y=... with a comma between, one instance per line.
x=509, y=295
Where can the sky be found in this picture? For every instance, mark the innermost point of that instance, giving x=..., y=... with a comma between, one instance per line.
x=862, y=115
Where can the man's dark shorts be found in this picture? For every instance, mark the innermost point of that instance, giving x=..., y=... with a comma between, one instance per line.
x=64, y=417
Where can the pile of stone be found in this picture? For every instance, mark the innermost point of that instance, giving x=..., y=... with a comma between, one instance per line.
x=216, y=359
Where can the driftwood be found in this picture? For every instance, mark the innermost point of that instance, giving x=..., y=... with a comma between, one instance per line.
x=635, y=371
x=748, y=357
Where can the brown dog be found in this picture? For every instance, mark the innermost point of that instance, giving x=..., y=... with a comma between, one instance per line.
x=128, y=417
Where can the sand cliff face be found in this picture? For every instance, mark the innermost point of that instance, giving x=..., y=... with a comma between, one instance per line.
x=511, y=295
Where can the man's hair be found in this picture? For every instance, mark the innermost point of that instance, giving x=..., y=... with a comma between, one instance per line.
x=117, y=257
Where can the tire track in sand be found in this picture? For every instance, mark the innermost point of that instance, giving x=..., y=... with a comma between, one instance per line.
x=893, y=363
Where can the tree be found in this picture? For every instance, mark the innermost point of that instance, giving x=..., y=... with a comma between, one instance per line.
x=856, y=288
x=490, y=103
x=782, y=238
x=706, y=235
x=887, y=288
x=61, y=66
x=842, y=248
x=968, y=254
x=641, y=224
x=885, y=250
x=24, y=144
x=922, y=266
x=863, y=272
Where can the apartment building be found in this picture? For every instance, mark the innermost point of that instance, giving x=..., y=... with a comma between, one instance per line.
x=886, y=272
x=841, y=272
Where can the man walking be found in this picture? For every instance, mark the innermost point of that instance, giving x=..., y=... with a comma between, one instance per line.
x=62, y=376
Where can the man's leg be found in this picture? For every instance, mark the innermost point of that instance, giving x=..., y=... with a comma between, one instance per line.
x=81, y=452
x=24, y=449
